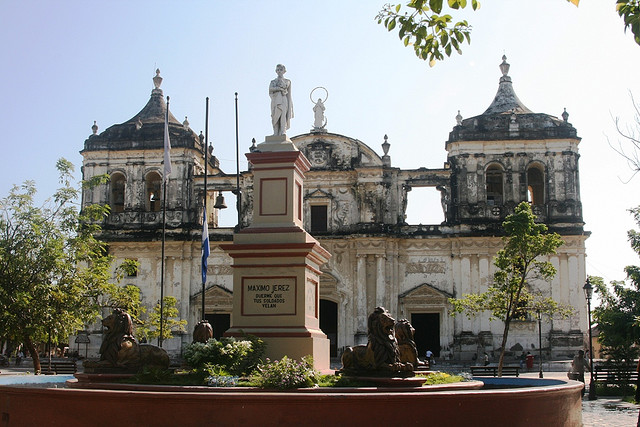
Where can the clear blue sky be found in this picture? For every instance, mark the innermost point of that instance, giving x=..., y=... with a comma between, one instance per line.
x=66, y=64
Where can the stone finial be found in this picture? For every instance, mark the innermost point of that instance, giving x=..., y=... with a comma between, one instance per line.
x=157, y=80
x=253, y=145
x=504, y=67
x=458, y=118
x=565, y=116
x=386, y=145
x=185, y=123
x=138, y=124
x=94, y=128
x=386, y=159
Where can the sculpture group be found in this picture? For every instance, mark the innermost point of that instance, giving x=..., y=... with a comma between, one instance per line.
x=390, y=350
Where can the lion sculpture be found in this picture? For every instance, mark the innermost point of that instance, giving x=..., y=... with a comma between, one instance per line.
x=120, y=350
x=406, y=345
x=381, y=355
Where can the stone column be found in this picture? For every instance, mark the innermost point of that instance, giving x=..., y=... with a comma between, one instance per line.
x=381, y=291
x=361, y=300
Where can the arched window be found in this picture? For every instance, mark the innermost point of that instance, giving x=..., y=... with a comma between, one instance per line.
x=494, y=185
x=535, y=185
x=116, y=198
x=153, y=191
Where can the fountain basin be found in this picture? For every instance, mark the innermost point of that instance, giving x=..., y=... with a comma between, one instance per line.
x=527, y=402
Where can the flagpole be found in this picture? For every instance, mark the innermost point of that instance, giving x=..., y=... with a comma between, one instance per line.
x=204, y=225
x=238, y=197
x=167, y=172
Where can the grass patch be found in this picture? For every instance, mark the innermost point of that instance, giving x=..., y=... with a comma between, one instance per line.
x=616, y=390
x=441, y=378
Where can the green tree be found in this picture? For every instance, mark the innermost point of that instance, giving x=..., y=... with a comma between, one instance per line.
x=431, y=33
x=51, y=265
x=150, y=329
x=618, y=315
x=434, y=34
x=509, y=297
x=126, y=297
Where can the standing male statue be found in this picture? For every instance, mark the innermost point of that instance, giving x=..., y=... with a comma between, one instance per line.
x=281, y=103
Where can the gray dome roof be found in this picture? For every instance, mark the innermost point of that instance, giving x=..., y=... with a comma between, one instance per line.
x=508, y=118
x=145, y=130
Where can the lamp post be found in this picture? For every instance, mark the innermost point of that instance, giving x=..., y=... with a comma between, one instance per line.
x=540, y=340
x=588, y=293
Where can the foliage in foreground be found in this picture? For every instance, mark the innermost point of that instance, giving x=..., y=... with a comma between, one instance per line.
x=51, y=266
x=432, y=32
x=286, y=374
x=227, y=355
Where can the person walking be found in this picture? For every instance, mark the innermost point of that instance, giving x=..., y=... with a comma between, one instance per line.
x=486, y=359
x=578, y=366
x=430, y=358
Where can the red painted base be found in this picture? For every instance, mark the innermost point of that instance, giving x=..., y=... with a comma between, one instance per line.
x=557, y=404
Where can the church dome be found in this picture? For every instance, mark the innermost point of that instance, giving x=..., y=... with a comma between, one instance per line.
x=331, y=151
x=145, y=130
x=508, y=118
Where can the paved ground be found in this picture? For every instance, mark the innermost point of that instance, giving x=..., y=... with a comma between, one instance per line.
x=603, y=412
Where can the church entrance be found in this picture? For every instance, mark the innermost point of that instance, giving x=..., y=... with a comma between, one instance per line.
x=427, y=335
x=329, y=324
x=220, y=323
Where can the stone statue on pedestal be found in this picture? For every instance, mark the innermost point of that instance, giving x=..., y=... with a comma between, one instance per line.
x=281, y=103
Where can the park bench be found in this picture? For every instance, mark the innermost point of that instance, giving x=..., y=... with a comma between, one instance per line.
x=493, y=371
x=615, y=375
x=60, y=366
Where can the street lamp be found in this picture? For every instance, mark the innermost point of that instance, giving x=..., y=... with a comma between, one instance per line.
x=540, y=340
x=588, y=293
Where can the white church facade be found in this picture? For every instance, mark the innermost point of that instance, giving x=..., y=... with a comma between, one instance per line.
x=354, y=203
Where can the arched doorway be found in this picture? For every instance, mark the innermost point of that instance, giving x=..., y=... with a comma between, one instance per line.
x=427, y=335
x=428, y=309
x=329, y=324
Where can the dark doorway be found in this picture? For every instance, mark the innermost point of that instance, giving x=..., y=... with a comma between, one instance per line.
x=329, y=324
x=220, y=323
x=427, y=336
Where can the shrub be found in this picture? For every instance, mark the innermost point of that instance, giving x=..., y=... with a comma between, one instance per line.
x=615, y=390
x=286, y=374
x=237, y=357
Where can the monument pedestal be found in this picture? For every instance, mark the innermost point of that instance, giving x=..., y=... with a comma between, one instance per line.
x=276, y=263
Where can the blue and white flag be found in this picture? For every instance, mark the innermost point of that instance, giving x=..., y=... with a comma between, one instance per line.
x=167, y=145
x=205, y=246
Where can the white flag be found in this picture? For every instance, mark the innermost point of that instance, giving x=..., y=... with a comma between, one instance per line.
x=167, y=147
